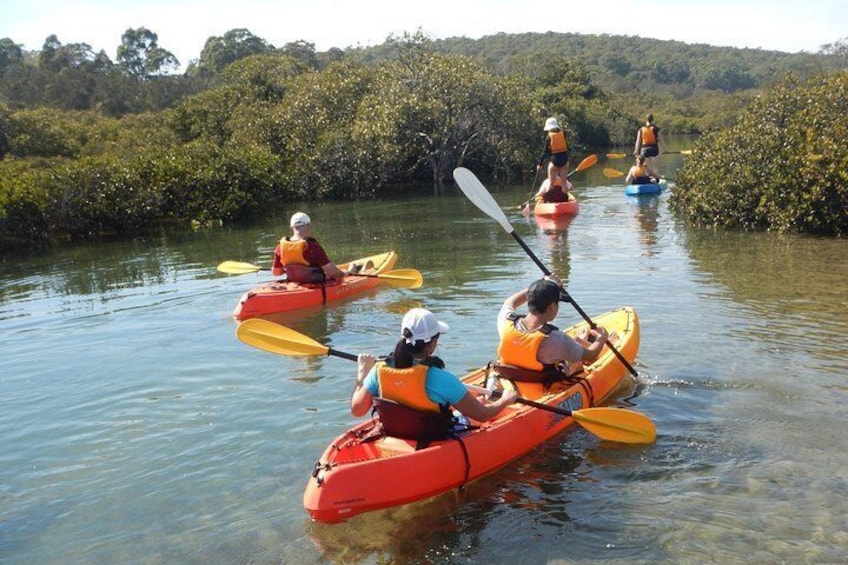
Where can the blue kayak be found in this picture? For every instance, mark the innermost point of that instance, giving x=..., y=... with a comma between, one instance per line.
x=647, y=188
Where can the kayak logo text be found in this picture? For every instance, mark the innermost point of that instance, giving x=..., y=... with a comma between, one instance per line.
x=571, y=403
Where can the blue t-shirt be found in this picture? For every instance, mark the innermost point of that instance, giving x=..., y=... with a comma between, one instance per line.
x=442, y=387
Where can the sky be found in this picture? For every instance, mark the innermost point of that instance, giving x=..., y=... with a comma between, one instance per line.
x=183, y=26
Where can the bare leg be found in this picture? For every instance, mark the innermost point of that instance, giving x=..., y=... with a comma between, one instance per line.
x=554, y=171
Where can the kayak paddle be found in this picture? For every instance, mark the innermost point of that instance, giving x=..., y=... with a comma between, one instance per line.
x=406, y=278
x=612, y=424
x=584, y=164
x=612, y=173
x=616, y=155
x=532, y=192
x=477, y=193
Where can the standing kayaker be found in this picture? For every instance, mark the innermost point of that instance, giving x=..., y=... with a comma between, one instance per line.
x=556, y=151
x=301, y=257
x=648, y=145
x=530, y=342
x=424, y=391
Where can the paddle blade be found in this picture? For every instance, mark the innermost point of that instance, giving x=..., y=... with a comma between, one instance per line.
x=616, y=424
x=238, y=268
x=585, y=163
x=474, y=190
x=275, y=338
x=405, y=278
x=616, y=155
x=686, y=152
x=612, y=173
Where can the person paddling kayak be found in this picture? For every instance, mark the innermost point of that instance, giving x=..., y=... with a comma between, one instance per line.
x=301, y=257
x=412, y=394
x=536, y=348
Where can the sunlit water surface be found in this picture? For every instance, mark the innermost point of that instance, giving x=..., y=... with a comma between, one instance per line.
x=136, y=428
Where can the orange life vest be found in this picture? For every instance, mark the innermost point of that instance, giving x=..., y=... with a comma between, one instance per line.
x=649, y=136
x=291, y=252
x=558, y=142
x=519, y=348
x=406, y=386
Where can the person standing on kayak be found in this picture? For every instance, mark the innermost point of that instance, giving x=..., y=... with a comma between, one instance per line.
x=412, y=379
x=301, y=257
x=530, y=342
x=648, y=145
x=556, y=150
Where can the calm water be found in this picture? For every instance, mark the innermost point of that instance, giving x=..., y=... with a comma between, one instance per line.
x=136, y=429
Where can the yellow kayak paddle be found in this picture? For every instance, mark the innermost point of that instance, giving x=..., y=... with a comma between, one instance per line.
x=406, y=278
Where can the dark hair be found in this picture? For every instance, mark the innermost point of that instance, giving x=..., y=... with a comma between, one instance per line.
x=405, y=353
x=640, y=159
x=650, y=117
x=541, y=294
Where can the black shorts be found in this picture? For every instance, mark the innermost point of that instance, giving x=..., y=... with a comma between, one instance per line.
x=559, y=159
x=650, y=151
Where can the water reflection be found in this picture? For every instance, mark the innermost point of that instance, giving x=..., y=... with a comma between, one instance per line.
x=797, y=284
x=554, y=226
x=456, y=524
x=646, y=211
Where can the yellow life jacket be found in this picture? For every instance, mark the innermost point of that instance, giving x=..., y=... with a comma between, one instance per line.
x=649, y=136
x=291, y=252
x=518, y=348
x=406, y=386
x=558, y=142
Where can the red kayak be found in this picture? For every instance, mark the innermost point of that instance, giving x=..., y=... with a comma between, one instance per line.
x=553, y=209
x=282, y=296
x=359, y=472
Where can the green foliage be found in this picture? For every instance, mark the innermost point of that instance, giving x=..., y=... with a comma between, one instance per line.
x=251, y=126
x=262, y=77
x=10, y=54
x=220, y=52
x=45, y=133
x=783, y=166
x=140, y=56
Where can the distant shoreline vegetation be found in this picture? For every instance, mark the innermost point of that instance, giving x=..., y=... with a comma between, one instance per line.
x=91, y=146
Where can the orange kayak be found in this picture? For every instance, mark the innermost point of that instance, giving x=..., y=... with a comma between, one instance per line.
x=569, y=208
x=282, y=296
x=356, y=475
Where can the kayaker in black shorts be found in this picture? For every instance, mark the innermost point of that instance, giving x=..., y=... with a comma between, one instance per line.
x=556, y=150
x=648, y=145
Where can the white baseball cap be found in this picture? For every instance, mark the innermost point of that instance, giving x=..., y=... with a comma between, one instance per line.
x=421, y=325
x=551, y=123
x=299, y=219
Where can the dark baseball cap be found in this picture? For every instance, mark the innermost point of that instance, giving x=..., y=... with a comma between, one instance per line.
x=541, y=294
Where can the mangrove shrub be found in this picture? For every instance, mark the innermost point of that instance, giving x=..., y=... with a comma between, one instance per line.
x=783, y=166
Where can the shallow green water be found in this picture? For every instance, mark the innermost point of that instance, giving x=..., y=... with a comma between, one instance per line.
x=136, y=428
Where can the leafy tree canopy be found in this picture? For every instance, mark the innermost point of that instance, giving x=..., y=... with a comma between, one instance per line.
x=783, y=166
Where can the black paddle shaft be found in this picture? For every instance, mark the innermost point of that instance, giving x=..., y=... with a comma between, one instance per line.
x=567, y=297
x=538, y=405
